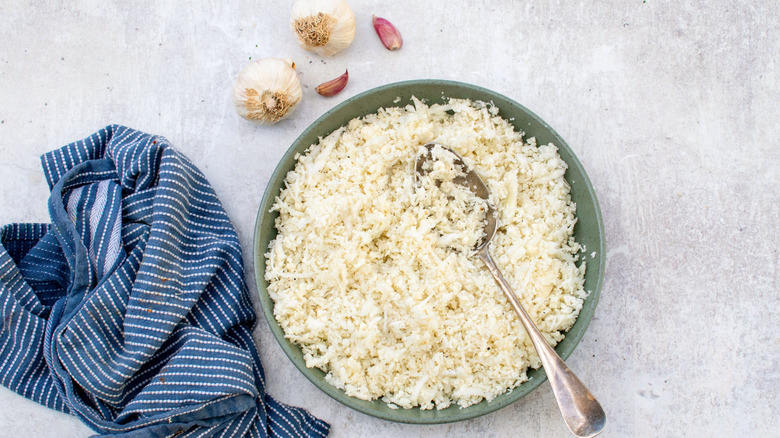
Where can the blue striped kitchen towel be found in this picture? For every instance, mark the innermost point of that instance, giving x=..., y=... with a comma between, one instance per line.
x=130, y=309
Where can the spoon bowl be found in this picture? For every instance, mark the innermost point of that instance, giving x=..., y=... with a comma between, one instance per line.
x=469, y=179
x=581, y=411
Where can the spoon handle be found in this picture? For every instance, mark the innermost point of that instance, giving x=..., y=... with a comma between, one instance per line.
x=581, y=411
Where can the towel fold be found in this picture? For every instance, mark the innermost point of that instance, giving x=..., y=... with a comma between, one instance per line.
x=130, y=309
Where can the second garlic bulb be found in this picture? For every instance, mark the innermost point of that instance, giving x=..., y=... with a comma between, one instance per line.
x=267, y=90
x=323, y=26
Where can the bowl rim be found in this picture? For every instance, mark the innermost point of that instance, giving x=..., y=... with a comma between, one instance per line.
x=266, y=303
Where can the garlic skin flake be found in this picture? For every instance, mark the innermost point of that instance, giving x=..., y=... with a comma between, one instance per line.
x=323, y=26
x=267, y=90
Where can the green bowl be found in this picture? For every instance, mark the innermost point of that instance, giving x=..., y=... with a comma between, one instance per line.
x=589, y=231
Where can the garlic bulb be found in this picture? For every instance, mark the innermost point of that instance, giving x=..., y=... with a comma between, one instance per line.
x=323, y=26
x=267, y=90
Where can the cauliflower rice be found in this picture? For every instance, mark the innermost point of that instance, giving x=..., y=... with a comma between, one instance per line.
x=366, y=280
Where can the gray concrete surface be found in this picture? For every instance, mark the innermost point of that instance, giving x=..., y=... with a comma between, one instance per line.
x=672, y=107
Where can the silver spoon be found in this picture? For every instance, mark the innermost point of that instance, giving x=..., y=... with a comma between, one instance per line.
x=581, y=411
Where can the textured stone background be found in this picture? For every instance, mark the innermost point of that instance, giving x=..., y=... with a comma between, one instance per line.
x=672, y=107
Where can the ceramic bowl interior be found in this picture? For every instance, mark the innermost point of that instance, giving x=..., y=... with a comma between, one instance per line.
x=589, y=231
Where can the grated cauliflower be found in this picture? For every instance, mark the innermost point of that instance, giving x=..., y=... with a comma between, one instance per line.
x=370, y=277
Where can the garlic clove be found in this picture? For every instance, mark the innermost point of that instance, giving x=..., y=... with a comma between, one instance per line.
x=267, y=90
x=333, y=87
x=323, y=26
x=388, y=34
